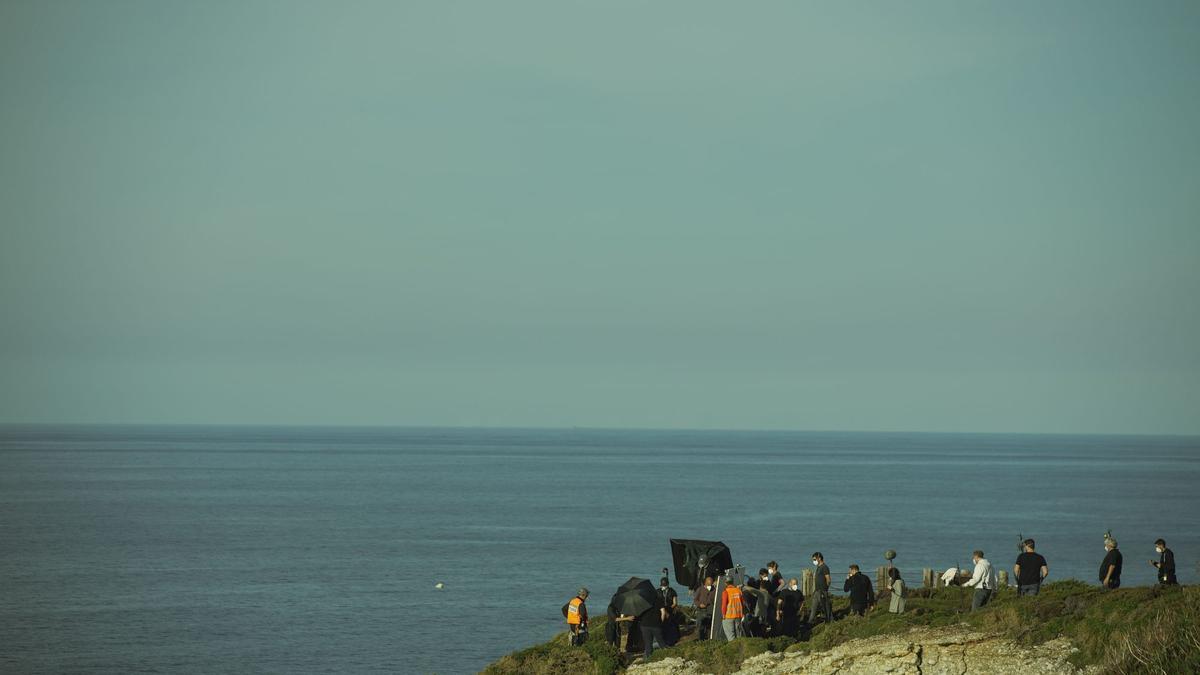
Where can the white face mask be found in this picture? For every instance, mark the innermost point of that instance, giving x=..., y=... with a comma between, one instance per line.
x=816, y=563
x=709, y=587
x=794, y=587
x=1158, y=550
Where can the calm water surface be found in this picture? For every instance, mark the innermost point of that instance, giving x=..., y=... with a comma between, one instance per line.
x=286, y=550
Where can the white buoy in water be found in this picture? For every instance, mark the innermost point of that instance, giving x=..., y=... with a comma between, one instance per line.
x=439, y=585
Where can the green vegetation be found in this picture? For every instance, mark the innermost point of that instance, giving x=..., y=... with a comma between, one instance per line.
x=724, y=657
x=1148, y=629
x=557, y=657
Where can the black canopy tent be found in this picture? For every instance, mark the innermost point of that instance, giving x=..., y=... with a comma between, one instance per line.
x=695, y=559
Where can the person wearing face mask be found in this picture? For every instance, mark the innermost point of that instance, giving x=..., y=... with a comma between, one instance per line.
x=765, y=597
x=1165, y=564
x=984, y=579
x=787, y=608
x=764, y=579
x=758, y=607
x=774, y=577
x=820, y=601
x=669, y=597
x=702, y=602
x=1110, y=568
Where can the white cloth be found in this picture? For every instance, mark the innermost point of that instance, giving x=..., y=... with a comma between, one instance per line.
x=949, y=576
x=984, y=576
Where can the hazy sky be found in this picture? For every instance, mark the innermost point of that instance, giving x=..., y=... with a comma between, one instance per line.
x=902, y=216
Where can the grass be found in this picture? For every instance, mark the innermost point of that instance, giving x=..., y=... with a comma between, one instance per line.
x=1150, y=629
x=556, y=657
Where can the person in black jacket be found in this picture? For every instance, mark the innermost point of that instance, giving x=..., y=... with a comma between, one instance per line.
x=1165, y=564
x=612, y=634
x=787, y=608
x=862, y=595
x=1110, y=568
x=670, y=600
x=651, y=624
x=775, y=578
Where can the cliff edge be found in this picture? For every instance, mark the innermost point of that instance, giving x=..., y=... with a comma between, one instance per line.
x=1071, y=627
x=921, y=651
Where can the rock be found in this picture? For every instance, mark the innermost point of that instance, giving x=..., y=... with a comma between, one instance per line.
x=671, y=666
x=923, y=651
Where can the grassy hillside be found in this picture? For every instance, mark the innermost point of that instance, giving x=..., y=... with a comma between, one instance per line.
x=1132, y=630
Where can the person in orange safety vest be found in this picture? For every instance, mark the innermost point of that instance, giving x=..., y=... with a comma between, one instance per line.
x=732, y=611
x=577, y=617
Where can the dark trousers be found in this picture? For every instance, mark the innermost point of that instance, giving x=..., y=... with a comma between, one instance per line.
x=859, y=609
x=982, y=597
x=704, y=617
x=820, y=602
x=1029, y=589
x=670, y=630
x=650, y=633
x=578, y=637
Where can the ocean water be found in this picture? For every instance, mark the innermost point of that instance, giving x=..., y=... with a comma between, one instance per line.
x=289, y=550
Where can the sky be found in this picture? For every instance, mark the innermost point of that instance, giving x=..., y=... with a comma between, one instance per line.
x=925, y=216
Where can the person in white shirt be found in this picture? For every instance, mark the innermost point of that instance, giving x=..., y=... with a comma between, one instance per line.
x=984, y=579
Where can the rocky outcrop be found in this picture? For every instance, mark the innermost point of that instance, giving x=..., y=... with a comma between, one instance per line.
x=923, y=651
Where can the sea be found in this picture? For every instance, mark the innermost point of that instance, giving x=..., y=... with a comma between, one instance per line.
x=181, y=549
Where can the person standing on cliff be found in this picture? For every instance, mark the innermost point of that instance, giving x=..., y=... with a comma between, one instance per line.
x=732, y=612
x=787, y=608
x=758, y=600
x=651, y=624
x=702, y=602
x=577, y=617
x=1165, y=564
x=1110, y=568
x=820, y=601
x=984, y=580
x=670, y=600
x=896, y=584
x=862, y=594
x=1030, y=570
x=775, y=578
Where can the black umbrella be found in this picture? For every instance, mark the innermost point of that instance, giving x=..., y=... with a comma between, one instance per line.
x=634, y=597
x=695, y=559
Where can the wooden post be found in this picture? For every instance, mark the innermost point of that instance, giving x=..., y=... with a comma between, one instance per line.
x=928, y=578
x=881, y=579
x=1003, y=578
x=809, y=583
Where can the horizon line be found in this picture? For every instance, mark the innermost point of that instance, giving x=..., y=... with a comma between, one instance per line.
x=485, y=427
